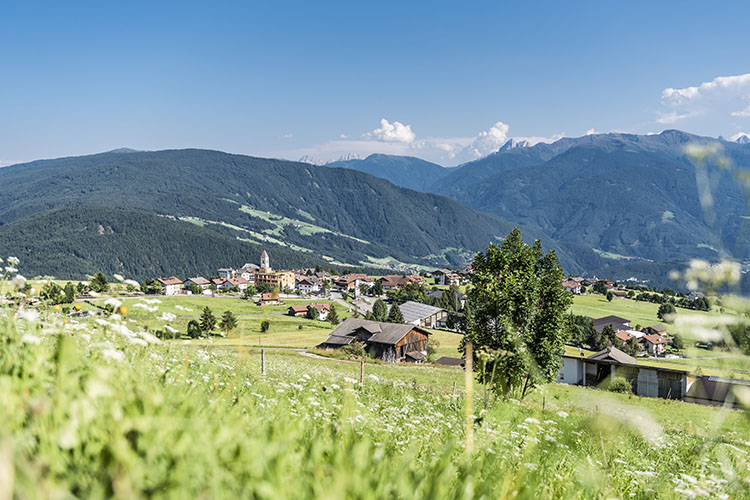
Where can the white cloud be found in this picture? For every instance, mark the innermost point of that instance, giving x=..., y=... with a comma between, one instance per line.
x=738, y=135
x=672, y=117
x=395, y=138
x=287, y=136
x=710, y=107
x=392, y=132
x=721, y=85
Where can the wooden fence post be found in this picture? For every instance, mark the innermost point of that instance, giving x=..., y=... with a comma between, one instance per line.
x=454, y=390
x=263, y=362
x=469, y=398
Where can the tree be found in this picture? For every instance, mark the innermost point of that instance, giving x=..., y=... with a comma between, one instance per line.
x=264, y=326
x=51, y=293
x=377, y=288
x=228, y=322
x=665, y=311
x=194, y=329
x=333, y=316
x=70, y=293
x=312, y=313
x=249, y=291
x=609, y=337
x=516, y=314
x=379, y=310
x=630, y=347
x=194, y=289
x=208, y=321
x=263, y=287
x=395, y=315
x=600, y=287
x=99, y=283
x=610, y=296
x=677, y=342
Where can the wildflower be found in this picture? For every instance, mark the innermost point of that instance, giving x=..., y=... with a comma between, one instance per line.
x=112, y=302
x=119, y=277
x=19, y=281
x=31, y=339
x=28, y=315
x=123, y=310
x=132, y=283
x=562, y=414
x=167, y=317
x=531, y=420
x=13, y=261
x=10, y=270
x=113, y=354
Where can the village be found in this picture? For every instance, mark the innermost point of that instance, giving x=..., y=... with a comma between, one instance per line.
x=432, y=302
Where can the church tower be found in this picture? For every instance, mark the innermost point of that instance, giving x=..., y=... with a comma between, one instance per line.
x=265, y=263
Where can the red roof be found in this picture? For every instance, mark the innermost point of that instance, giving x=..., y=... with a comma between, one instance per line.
x=623, y=335
x=654, y=339
x=172, y=280
x=237, y=281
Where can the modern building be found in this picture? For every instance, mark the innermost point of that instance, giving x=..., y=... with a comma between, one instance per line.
x=423, y=315
x=171, y=285
x=596, y=369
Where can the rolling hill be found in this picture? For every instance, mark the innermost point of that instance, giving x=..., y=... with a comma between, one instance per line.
x=340, y=215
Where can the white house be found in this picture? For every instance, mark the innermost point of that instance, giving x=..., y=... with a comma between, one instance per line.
x=171, y=285
x=308, y=285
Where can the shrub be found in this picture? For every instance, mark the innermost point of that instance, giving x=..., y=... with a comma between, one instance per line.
x=265, y=325
x=620, y=384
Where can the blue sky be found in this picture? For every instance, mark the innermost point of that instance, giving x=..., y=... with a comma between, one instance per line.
x=317, y=78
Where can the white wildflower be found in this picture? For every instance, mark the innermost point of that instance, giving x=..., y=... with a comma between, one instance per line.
x=10, y=270
x=113, y=302
x=19, y=281
x=151, y=339
x=119, y=277
x=165, y=316
x=113, y=354
x=132, y=283
x=13, y=261
x=31, y=339
x=531, y=420
x=28, y=315
x=562, y=414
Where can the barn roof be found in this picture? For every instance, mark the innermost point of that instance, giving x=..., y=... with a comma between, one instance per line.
x=612, y=354
x=415, y=311
x=382, y=333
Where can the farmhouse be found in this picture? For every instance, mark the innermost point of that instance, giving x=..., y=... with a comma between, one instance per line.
x=267, y=299
x=171, y=285
x=351, y=282
x=653, y=344
x=386, y=341
x=610, y=362
x=657, y=329
x=309, y=284
x=616, y=322
x=426, y=316
x=394, y=282
x=572, y=286
x=200, y=282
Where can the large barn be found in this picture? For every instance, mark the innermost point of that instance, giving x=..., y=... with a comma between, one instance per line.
x=390, y=342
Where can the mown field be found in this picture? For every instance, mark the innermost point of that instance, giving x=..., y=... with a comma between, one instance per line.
x=102, y=410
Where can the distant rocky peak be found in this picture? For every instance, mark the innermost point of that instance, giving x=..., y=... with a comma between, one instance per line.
x=514, y=144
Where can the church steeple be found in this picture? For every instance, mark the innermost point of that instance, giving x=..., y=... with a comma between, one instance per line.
x=265, y=262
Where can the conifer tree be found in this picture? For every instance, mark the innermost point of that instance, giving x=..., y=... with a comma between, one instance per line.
x=395, y=315
x=228, y=322
x=208, y=321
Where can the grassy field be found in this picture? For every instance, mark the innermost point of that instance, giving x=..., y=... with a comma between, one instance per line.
x=96, y=410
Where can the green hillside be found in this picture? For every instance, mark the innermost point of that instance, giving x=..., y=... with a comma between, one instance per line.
x=71, y=243
x=342, y=215
x=616, y=200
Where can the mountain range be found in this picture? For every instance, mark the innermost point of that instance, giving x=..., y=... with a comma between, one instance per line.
x=610, y=204
x=334, y=216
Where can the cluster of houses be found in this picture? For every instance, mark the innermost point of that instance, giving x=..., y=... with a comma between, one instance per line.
x=575, y=285
x=652, y=340
x=309, y=282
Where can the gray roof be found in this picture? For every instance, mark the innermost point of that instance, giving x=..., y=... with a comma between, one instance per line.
x=381, y=333
x=613, y=354
x=200, y=281
x=415, y=311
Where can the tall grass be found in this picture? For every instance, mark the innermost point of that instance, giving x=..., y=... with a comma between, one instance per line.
x=99, y=411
